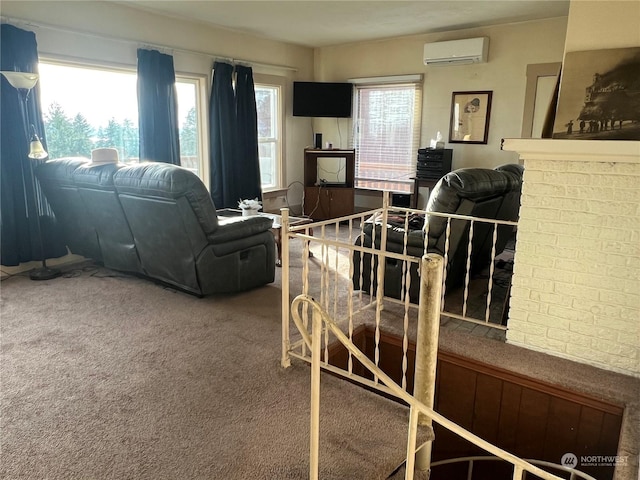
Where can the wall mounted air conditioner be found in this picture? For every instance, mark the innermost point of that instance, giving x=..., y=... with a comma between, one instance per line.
x=457, y=52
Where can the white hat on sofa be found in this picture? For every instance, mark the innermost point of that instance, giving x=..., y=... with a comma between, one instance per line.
x=104, y=155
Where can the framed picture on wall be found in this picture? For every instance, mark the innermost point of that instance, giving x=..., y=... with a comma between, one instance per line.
x=470, y=117
x=599, y=95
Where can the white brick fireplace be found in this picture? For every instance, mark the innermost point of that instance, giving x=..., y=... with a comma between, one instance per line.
x=576, y=282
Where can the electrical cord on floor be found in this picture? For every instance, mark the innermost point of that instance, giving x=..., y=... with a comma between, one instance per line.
x=92, y=269
x=7, y=276
x=289, y=187
x=302, y=214
x=315, y=207
x=106, y=273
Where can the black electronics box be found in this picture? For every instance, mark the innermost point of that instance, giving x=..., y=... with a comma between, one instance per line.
x=433, y=164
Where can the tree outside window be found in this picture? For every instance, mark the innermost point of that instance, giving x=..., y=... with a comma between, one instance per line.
x=77, y=120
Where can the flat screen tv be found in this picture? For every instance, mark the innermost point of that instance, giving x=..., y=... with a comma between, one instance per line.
x=322, y=99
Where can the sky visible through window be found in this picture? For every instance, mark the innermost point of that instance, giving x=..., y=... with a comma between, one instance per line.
x=90, y=107
x=98, y=94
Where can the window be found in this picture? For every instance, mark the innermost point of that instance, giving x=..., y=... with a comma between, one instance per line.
x=90, y=107
x=387, y=132
x=190, y=148
x=268, y=104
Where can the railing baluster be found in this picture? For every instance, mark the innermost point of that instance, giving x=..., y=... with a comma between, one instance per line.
x=382, y=261
x=336, y=252
x=446, y=260
x=467, y=276
x=314, y=441
x=517, y=472
x=361, y=270
x=350, y=298
x=325, y=288
x=285, y=360
x=305, y=284
x=374, y=257
x=487, y=313
x=403, y=279
x=406, y=296
x=412, y=437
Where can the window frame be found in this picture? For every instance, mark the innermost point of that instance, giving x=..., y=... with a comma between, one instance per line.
x=201, y=83
x=279, y=83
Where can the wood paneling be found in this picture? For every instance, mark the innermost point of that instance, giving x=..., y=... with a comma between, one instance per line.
x=522, y=415
x=509, y=410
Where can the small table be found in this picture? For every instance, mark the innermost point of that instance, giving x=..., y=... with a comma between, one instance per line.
x=276, y=227
x=422, y=182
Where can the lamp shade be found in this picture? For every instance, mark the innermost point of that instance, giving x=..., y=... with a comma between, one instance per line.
x=21, y=79
x=36, y=150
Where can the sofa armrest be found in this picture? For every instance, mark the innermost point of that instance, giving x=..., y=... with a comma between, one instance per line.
x=236, y=228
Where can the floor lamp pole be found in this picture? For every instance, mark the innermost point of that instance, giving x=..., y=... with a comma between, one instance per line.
x=44, y=272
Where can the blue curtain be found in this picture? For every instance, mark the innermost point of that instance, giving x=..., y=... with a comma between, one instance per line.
x=249, y=184
x=222, y=135
x=20, y=207
x=235, y=167
x=157, y=108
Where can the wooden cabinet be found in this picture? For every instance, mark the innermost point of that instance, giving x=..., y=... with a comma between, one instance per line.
x=323, y=203
x=324, y=200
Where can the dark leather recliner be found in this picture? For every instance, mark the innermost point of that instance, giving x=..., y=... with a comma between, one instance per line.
x=157, y=220
x=476, y=192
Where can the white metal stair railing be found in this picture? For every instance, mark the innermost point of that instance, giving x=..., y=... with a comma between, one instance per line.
x=574, y=474
x=324, y=280
x=314, y=233
x=324, y=276
x=450, y=218
x=332, y=282
x=314, y=342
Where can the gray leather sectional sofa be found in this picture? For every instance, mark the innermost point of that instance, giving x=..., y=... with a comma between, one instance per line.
x=477, y=192
x=158, y=221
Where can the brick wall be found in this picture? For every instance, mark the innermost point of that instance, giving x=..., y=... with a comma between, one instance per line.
x=576, y=287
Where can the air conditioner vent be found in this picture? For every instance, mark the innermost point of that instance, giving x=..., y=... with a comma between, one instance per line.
x=457, y=52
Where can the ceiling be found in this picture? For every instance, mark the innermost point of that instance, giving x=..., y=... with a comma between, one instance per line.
x=321, y=23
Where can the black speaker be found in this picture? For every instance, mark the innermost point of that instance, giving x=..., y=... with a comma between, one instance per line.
x=318, y=143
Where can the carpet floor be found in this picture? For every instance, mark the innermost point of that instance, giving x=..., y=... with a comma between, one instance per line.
x=109, y=376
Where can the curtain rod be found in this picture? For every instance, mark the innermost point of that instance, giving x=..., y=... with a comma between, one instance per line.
x=213, y=56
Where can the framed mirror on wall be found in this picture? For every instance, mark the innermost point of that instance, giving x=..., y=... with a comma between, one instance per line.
x=541, y=83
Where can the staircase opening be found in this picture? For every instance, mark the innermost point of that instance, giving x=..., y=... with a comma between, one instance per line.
x=525, y=416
